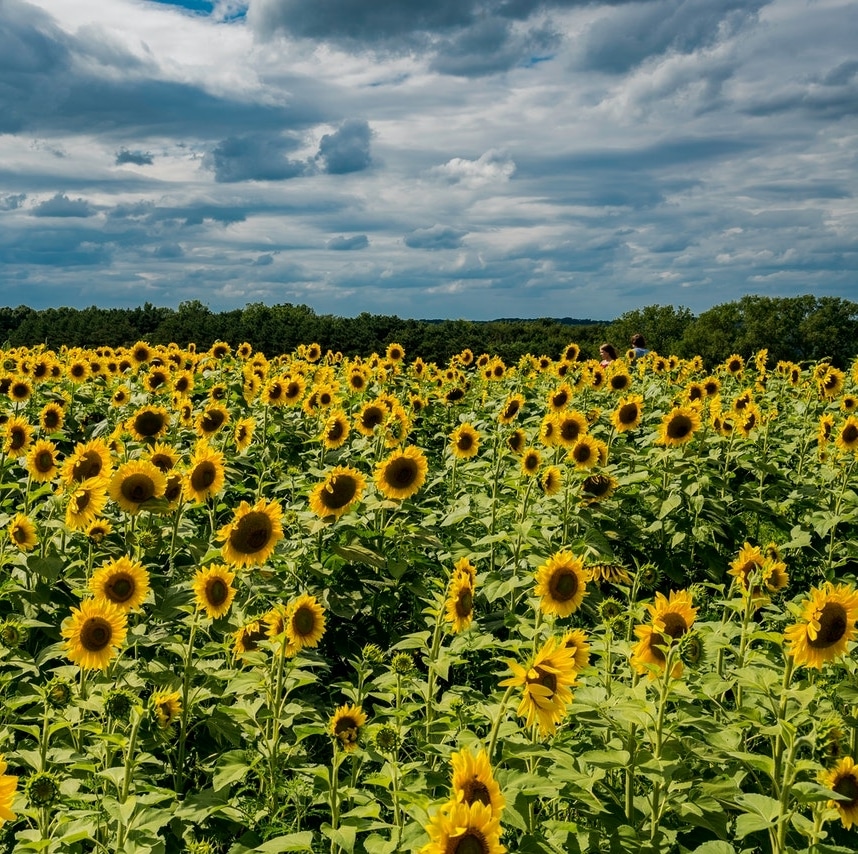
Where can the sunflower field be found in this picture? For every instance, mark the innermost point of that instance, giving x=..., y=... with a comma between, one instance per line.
x=311, y=603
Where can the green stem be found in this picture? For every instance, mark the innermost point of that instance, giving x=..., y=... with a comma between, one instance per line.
x=183, y=720
x=496, y=725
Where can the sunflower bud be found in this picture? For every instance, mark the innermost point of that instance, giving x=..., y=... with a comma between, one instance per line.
x=42, y=789
x=58, y=693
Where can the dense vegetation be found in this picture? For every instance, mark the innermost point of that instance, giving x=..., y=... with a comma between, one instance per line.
x=800, y=329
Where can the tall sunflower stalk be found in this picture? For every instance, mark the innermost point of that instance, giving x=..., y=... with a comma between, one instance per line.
x=657, y=803
x=128, y=770
x=845, y=480
x=179, y=772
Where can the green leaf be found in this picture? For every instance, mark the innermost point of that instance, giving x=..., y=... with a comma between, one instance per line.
x=302, y=841
x=343, y=836
x=714, y=846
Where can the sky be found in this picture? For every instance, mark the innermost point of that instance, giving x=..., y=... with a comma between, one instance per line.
x=470, y=159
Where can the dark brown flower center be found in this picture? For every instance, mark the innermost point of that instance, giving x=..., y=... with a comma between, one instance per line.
x=464, y=603
x=401, y=472
x=203, y=475
x=339, y=491
x=252, y=533
x=563, y=584
x=304, y=621
x=679, y=427
x=212, y=420
x=120, y=588
x=217, y=592
x=473, y=842
x=628, y=413
x=149, y=423
x=832, y=626
x=137, y=488
x=476, y=790
x=848, y=787
x=849, y=434
x=44, y=461
x=371, y=417
x=96, y=634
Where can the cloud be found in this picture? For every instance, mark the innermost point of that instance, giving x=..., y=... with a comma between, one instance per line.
x=61, y=205
x=628, y=36
x=492, y=166
x=169, y=251
x=256, y=157
x=436, y=237
x=12, y=201
x=357, y=241
x=138, y=158
x=347, y=149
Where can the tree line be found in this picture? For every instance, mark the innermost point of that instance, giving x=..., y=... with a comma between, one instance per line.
x=798, y=329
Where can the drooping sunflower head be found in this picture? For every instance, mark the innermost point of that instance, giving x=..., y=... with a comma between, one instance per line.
x=337, y=493
x=576, y=640
x=402, y=474
x=243, y=433
x=516, y=441
x=211, y=419
x=250, y=538
x=135, y=483
x=246, y=638
x=345, y=725
x=551, y=480
x=672, y=618
x=93, y=633
x=336, y=430
x=167, y=706
x=213, y=590
x=561, y=584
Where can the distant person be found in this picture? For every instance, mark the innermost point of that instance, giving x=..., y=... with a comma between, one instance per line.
x=608, y=353
x=638, y=346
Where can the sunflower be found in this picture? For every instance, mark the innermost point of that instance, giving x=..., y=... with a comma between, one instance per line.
x=136, y=482
x=157, y=380
x=167, y=706
x=679, y=426
x=576, y=640
x=464, y=442
x=459, y=607
x=22, y=532
x=474, y=782
x=211, y=419
x=213, y=590
x=19, y=390
x=671, y=619
x=843, y=781
x=305, y=622
x=336, y=430
x=545, y=684
x=402, y=473
x=93, y=633
x=561, y=584
x=51, y=417
x=826, y=627
x=531, y=460
x=548, y=430
x=205, y=475
x=247, y=637
x=337, y=493
x=140, y=353
x=371, y=415
x=18, y=434
x=250, y=538
x=89, y=459
x=294, y=389
x=461, y=828
x=619, y=381
x=627, y=415
x=511, y=408
x=42, y=461
x=183, y=383
x=734, y=364
x=98, y=529
x=242, y=435
x=120, y=396
x=345, y=725
x=122, y=582
x=559, y=398
x=831, y=383
x=609, y=573
x=516, y=441
x=598, y=487
x=8, y=785
x=86, y=502
x=847, y=438
x=148, y=422
x=78, y=371
x=551, y=480
x=585, y=453
x=570, y=425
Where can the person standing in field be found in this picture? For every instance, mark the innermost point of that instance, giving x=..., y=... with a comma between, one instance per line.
x=638, y=346
x=608, y=353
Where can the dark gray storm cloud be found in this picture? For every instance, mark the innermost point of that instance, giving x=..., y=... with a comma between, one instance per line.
x=138, y=158
x=436, y=237
x=61, y=205
x=53, y=81
x=342, y=243
x=256, y=157
x=347, y=149
x=12, y=201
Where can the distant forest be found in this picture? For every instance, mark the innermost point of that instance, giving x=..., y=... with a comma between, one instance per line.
x=799, y=329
